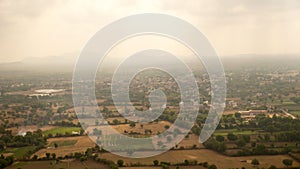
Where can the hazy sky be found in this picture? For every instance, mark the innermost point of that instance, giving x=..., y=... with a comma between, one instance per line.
x=56, y=27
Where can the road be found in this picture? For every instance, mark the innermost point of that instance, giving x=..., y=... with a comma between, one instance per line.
x=288, y=114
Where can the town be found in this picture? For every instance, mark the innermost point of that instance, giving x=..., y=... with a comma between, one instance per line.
x=259, y=127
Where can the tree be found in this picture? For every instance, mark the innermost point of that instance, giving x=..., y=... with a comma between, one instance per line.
x=116, y=121
x=272, y=167
x=35, y=157
x=287, y=162
x=132, y=124
x=231, y=137
x=47, y=155
x=55, y=145
x=220, y=138
x=255, y=162
x=155, y=162
x=212, y=167
x=237, y=115
x=53, y=155
x=205, y=164
x=120, y=163
x=241, y=143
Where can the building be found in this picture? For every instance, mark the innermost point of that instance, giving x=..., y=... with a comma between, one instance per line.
x=252, y=113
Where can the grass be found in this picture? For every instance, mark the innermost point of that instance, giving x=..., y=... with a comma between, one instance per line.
x=19, y=164
x=74, y=164
x=234, y=131
x=125, y=143
x=61, y=130
x=63, y=143
x=295, y=113
x=20, y=152
x=292, y=107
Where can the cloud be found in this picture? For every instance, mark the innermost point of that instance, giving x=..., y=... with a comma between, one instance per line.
x=43, y=28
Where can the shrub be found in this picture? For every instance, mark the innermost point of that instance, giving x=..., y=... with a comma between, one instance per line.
x=120, y=163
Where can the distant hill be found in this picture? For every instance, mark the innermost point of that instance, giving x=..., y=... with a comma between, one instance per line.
x=261, y=62
x=66, y=63
x=44, y=64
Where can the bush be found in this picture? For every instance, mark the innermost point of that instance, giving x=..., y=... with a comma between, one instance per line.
x=287, y=162
x=220, y=138
x=205, y=164
x=272, y=167
x=231, y=137
x=255, y=162
x=120, y=163
x=212, y=167
x=156, y=162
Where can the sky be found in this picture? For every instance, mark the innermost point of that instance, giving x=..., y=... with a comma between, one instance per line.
x=37, y=28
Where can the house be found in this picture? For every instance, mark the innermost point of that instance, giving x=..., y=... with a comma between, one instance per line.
x=75, y=133
x=23, y=132
x=252, y=113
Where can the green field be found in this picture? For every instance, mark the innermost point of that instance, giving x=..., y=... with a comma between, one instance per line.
x=20, y=152
x=116, y=143
x=52, y=164
x=63, y=143
x=295, y=113
x=234, y=131
x=292, y=107
x=61, y=130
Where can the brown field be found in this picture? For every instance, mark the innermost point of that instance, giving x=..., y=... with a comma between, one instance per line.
x=189, y=142
x=155, y=127
x=83, y=142
x=228, y=112
x=171, y=167
x=29, y=128
x=121, y=119
x=74, y=164
x=203, y=155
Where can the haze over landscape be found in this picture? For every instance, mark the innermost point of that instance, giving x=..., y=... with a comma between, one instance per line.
x=57, y=28
x=154, y=118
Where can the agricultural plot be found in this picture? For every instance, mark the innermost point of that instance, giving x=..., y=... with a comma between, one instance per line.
x=117, y=143
x=82, y=143
x=19, y=152
x=205, y=155
x=234, y=131
x=73, y=164
x=295, y=113
x=63, y=143
x=61, y=130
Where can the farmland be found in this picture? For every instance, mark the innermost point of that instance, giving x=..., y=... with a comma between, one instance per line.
x=61, y=130
x=20, y=152
x=72, y=164
x=69, y=146
x=204, y=155
x=42, y=131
